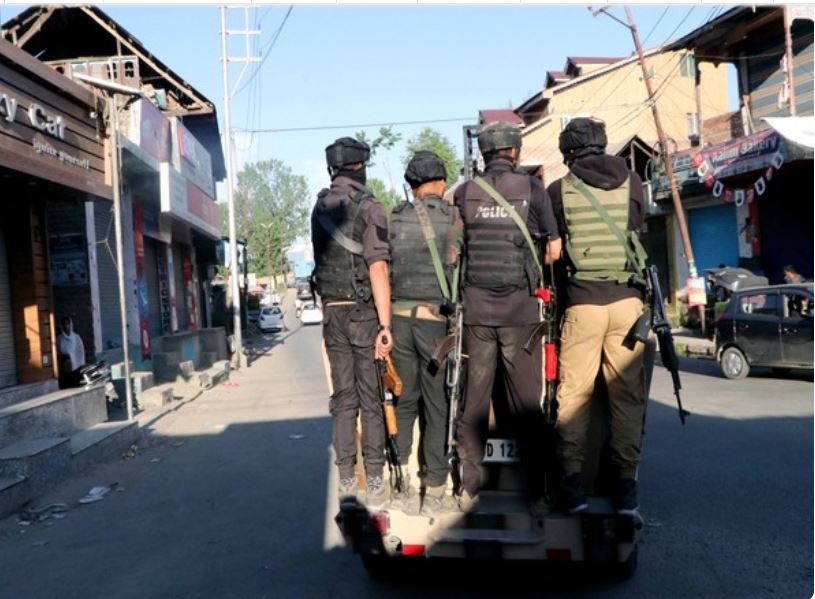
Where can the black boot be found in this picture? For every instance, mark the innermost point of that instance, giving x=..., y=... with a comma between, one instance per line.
x=626, y=500
x=572, y=497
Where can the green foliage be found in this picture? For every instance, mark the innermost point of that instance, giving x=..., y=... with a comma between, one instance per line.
x=387, y=197
x=430, y=139
x=272, y=207
x=386, y=139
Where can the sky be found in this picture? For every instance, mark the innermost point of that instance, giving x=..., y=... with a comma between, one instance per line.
x=347, y=65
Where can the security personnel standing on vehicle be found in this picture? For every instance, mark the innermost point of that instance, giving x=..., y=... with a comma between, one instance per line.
x=598, y=206
x=349, y=232
x=506, y=216
x=425, y=243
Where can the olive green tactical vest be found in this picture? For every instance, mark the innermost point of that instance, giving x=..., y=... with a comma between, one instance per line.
x=593, y=248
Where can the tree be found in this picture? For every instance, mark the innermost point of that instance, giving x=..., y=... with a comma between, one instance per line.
x=272, y=207
x=386, y=139
x=431, y=140
x=387, y=197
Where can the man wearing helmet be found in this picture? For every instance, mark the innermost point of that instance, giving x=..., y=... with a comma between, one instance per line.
x=349, y=232
x=425, y=238
x=598, y=206
x=503, y=212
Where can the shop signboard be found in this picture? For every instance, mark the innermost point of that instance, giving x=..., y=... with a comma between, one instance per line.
x=185, y=201
x=46, y=125
x=164, y=291
x=189, y=291
x=192, y=159
x=150, y=130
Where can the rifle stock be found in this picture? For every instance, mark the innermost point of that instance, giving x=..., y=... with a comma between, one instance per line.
x=390, y=387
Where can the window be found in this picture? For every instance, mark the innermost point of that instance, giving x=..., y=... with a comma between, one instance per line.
x=763, y=303
x=797, y=305
x=687, y=65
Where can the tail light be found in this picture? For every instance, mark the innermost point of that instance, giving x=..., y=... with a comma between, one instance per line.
x=413, y=549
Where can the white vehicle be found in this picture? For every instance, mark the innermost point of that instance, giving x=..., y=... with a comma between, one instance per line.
x=311, y=314
x=271, y=319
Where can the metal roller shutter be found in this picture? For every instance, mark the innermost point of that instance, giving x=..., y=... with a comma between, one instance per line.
x=8, y=365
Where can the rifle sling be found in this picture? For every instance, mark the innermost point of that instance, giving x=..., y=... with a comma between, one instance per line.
x=430, y=240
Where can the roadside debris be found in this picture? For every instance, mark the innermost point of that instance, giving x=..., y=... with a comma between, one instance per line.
x=178, y=443
x=52, y=510
x=96, y=494
x=155, y=460
x=131, y=453
x=297, y=437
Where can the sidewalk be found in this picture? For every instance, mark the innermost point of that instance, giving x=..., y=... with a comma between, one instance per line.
x=691, y=344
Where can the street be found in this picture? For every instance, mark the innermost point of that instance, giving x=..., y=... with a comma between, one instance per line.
x=232, y=494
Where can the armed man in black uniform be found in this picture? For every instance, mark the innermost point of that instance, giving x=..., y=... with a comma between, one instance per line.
x=349, y=232
x=505, y=213
x=425, y=238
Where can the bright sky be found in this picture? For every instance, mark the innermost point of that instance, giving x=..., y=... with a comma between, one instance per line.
x=346, y=65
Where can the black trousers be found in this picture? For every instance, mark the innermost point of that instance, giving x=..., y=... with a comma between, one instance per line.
x=415, y=341
x=517, y=404
x=349, y=342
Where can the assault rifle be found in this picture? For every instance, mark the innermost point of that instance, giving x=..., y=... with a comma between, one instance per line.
x=548, y=330
x=449, y=354
x=390, y=388
x=653, y=318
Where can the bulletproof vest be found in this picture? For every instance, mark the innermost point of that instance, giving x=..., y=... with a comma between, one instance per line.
x=497, y=254
x=339, y=272
x=413, y=276
x=594, y=250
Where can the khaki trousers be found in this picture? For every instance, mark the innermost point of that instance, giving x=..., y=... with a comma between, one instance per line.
x=591, y=337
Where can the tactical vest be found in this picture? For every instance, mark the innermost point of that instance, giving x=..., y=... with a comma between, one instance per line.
x=339, y=273
x=593, y=248
x=497, y=254
x=413, y=276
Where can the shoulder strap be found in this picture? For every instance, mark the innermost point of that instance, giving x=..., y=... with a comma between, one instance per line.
x=430, y=239
x=331, y=228
x=637, y=259
x=501, y=201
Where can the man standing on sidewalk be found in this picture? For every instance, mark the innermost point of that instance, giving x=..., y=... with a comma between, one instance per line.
x=598, y=206
x=506, y=216
x=425, y=243
x=349, y=232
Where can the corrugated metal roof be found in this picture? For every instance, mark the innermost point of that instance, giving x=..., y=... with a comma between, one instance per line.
x=499, y=115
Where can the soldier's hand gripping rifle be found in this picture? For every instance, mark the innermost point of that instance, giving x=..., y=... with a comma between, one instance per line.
x=654, y=318
x=390, y=388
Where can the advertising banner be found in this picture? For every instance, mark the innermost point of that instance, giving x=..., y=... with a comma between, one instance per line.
x=189, y=292
x=141, y=282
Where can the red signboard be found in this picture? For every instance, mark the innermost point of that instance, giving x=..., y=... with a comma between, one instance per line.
x=189, y=292
x=203, y=208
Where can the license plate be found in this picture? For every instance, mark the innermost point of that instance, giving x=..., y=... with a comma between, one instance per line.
x=501, y=451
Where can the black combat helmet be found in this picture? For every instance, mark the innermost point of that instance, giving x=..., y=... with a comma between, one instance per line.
x=346, y=150
x=581, y=137
x=423, y=167
x=498, y=136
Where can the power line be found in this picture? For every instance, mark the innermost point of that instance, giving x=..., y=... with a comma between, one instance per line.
x=654, y=28
x=361, y=126
x=268, y=49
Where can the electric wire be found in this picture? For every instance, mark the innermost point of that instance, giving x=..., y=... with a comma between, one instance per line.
x=360, y=125
x=267, y=50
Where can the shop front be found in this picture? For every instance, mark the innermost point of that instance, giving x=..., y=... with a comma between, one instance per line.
x=52, y=170
x=748, y=203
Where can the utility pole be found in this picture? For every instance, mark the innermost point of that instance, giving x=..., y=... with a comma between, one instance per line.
x=788, y=58
x=230, y=171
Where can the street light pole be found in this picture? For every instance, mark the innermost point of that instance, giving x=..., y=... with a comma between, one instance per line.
x=233, y=246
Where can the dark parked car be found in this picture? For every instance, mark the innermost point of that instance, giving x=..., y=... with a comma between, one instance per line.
x=766, y=326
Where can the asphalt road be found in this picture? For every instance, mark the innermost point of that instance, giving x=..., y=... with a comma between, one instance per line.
x=232, y=495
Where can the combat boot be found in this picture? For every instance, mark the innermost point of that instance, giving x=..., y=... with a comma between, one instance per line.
x=377, y=492
x=467, y=502
x=626, y=499
x=434, y=503
x=400, y=500
x=348, y=491
x=572, y=497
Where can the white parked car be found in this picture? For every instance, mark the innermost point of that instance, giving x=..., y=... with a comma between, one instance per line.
x=271, y=319
x=311, y=314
